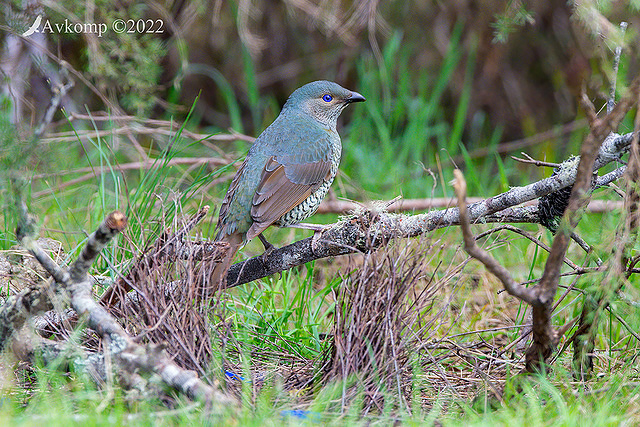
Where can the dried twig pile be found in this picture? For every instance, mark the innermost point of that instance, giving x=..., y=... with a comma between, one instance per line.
x=382, y=315
x=72, y=287
x=172, y=302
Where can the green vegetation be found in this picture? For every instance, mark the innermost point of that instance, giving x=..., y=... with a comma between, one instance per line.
x=403, y=142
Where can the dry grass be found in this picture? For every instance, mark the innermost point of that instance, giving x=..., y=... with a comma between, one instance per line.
x=384, y=313
x=397, y=319
x=172, y=301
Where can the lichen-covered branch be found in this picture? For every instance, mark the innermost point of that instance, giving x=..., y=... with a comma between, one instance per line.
x=14, y=313
x=30, y=347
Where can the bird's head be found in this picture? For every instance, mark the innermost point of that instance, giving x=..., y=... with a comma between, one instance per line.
x=322, y=100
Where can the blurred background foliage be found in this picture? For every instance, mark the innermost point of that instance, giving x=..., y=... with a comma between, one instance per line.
x=529, y=59
x=447, y=82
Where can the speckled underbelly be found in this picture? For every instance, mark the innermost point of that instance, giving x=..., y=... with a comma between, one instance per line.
x=305, y=209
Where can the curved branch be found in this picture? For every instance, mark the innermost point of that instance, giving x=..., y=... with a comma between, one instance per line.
x=514, y=288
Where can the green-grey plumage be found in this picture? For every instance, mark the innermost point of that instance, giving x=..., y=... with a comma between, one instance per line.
x=290, y=166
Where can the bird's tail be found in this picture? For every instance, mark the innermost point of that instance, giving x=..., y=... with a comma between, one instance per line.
x=219, y=273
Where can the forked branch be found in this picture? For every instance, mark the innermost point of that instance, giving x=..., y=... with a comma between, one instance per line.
x=541, y=297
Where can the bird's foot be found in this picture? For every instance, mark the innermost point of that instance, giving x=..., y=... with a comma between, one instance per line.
x=317, y=240
x=268, y=248
x=318, y=229
x=305, y=226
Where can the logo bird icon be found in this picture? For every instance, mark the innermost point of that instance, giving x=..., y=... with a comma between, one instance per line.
x=34, y=27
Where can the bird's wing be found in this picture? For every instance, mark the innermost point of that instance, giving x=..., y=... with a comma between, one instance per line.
x=223, y=227
x=283, y=187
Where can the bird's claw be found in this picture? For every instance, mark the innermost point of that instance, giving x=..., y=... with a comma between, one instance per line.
x=268, y=248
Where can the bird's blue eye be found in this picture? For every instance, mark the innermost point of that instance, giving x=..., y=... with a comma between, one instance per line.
x=327, y=98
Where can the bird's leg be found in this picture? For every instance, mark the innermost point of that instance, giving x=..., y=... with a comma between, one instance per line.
x=268, y=247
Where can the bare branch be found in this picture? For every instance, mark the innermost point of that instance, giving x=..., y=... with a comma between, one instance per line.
x=400, y=205
x=526, y=235
x=530, y=160
x=146, y=164
x=519, y=144
x=544, y=336
x=616, y=63
x=112, y=225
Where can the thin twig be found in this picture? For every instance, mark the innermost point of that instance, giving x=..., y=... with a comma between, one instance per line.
x=523, y=233
x=530, y=160
x=611, y=102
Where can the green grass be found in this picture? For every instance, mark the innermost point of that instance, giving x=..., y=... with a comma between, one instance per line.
x=283, y=311
x=58, y=400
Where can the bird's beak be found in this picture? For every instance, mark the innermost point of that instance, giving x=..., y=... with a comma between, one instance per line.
x=355, y=97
